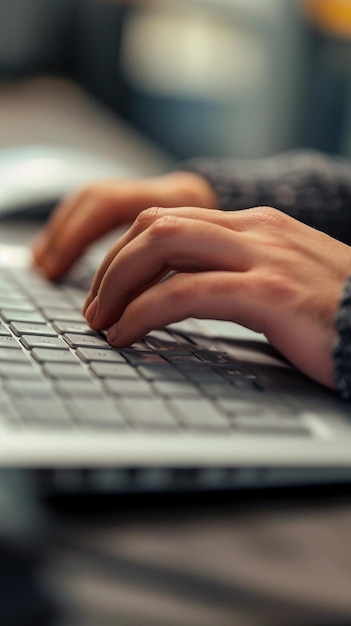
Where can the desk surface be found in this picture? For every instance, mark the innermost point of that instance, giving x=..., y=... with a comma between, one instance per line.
x=275, y=559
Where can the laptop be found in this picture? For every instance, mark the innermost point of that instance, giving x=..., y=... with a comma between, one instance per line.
x=200, y=405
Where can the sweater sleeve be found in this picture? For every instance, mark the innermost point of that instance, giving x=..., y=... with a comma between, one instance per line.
x=342, y=350
x=310, y=186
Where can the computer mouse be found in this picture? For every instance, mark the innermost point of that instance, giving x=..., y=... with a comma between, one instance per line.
x=33, y=178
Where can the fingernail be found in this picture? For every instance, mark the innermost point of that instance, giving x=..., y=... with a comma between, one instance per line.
x=88, y=300
x=91, y=311
x=38, y=247
x=113, y=333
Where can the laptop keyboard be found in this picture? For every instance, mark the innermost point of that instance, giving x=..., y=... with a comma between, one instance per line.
x=56, y=372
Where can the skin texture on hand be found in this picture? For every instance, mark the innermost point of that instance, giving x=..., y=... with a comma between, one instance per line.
x=95, y=210
x=257, y=267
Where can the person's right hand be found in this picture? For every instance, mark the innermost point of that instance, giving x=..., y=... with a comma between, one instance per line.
x=95, y=210
x=257, y=267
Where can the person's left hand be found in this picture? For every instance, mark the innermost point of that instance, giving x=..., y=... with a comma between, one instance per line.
x=257, y=267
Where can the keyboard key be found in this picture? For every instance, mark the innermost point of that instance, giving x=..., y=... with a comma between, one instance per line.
x=133, y=387
x=65, y=370
x=113, y=370
x=43, y=412
x=12, y=297
x=14, y=315
x=37, y=341
x=4, y=331
x=181, y=360
x=76, y=341
x=141, y=346
x=23, y=328
x=19, y=371
x=37, y=388
x=12, y=354
x=95, y=412
x=20, y=304
x=202, y=373
x=43, y=355
x=164, y=342
x=7, y=341
x=176, y=389
x=221, y=389
x=144, y=358
x=160, y=372
x=81, y=388
x=65, y=315
x=246, y=384
x=73, y=327
x=215, y=357
x=45, y=299
x=148, y=413
x=234, y=371
x=197, y=414
x=97, y=354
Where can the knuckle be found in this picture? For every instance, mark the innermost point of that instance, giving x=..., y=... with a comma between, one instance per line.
x=148, y=216
x=157, y=221
x=275, y=287
x=164, y=226
x=154, y=220
x=271, y=216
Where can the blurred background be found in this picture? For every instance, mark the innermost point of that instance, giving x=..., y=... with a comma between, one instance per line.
x=142, y=84
x=192, y=77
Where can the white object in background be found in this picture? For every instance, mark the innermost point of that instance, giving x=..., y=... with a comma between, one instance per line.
x=35, y=175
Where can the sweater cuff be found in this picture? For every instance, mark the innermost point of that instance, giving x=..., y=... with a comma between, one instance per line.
x=342, y=350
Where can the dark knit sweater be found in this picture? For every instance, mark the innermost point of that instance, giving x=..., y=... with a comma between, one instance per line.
x=313, y=188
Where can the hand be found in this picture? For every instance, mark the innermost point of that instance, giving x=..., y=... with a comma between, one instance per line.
x=258, y=267
x=83, y=218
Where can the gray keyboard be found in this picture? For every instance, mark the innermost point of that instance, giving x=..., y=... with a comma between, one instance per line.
x=55, y=372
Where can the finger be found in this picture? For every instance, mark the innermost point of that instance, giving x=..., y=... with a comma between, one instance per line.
x=144, y=221
x=171, y=243
x=46, y=237
x=88, y=215
x=234, y=297
x=207, y=295
x=62, y=241
x=76, y=223
x=80, y=220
